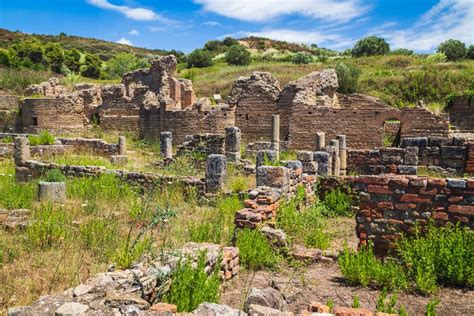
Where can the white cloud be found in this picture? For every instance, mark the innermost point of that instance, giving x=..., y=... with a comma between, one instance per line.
x=124, y=41
x=264, y=10
x=447, y=19
x=211, y=23
x=139, y=14
x=134, y=32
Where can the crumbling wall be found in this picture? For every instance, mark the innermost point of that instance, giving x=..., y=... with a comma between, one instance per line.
x=117, y=111
x=191, y=121
x=9, y=106
x=391, y=205
x=255, y=98
x=461, y=114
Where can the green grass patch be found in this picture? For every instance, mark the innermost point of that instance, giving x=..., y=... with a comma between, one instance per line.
x=255, y=252
x=337, y=203
x=44, y=138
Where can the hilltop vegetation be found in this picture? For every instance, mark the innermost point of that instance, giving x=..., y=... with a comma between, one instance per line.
x=399, y=77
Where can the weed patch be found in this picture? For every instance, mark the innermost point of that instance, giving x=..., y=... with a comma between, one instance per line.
x=255, y=252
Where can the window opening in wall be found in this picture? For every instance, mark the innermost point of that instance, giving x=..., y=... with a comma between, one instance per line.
x=35, y=121
x=247, y=117
x=391, y=133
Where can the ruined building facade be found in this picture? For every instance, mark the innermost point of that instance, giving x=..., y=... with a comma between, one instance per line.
x=150, y=101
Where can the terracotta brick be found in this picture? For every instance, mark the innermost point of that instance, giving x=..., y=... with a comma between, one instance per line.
x=440, y=215
x=470, y=183
x=431, y=192
x=385, y=205
x=418, y=182
x=461, y=209
x=461, y=219
x=414, y=198
x=347, y=311
x=379, y=189
x=456, y=199
x=437, y=182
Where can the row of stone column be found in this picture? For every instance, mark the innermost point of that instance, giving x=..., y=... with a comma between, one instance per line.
x=331, y=159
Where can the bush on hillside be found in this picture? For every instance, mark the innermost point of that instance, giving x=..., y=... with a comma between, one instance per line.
x=72, y=60
x=92, y=66
x=301, y=58
x=348, y=78
x=237, y=55
x=453, y=49
x=122, y=63
x=436, y=58
x=199, y=58
x=370, y=46
x=4, y=57
x=55, y=56
x=402, y=51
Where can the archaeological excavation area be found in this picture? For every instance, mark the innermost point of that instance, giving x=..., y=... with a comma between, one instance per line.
x=139, y=198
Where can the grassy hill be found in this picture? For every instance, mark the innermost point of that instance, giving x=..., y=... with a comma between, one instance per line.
x=103, y=48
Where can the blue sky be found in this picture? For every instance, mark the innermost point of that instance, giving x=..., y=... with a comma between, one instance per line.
x=187, y=24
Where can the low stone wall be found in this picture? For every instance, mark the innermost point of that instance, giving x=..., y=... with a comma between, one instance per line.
x=9, y=106
x=131, y=291
x=391, y=205
x=273, y=184
x=435, y=153
x=205, y=144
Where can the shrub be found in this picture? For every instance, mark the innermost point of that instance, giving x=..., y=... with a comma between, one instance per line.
x=255, y=252
x=453, y=49
x=370, y=46
x=199, y=58
x=92, y=66
x=122, y=63
x=363, y=268
x=470, y=52
x=348, y=77
x=44, y=138
x=302, y=58
x=402, y=51
x=192, y=286
x=130, y=251
x=72, y=60
x=337, y=203
x=5, y=58
x=49, y=227
x=55, y=56
x=436, y=58
x=237, y=55
x=53, y=175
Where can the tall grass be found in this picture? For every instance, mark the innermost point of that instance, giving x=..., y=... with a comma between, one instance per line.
x=44, y=138
x=16, y=80
x=15, y=195
x=255, y=252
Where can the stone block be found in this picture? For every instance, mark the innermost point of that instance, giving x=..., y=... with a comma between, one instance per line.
x=274, y=177
x=456, y=183
x=304, y=155
x=411, y=156
x=268, y=297
x=453, y=152
x=437, y=141
x=232, y=142
x=166, y=145
x=21, y=151
x=119, y=159
x=310, y=167
x=322, y=158
x=414, y=142
x=122, y=145
x=294, y=164
x=403, y=169
x=72, y=309
x=52, y=191
x=348, y=311
x=320, y=141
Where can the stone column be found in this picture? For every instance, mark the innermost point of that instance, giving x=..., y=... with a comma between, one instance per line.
x=216, y=173
x=331, y=159
x=320, y=141
x=276, y=134
x=232, y=143
x=21, y=151
x=343, y=153
x=322, y=158
x=166, y=145
x=122, y=146
x=336, y=160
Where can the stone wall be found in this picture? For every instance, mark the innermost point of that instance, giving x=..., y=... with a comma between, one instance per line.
x=202, y=145
x=132, y=291
x=392, y=204
x=273, y=185
x=9, y=106
x=181, y=123
x=461, y=114
x=363, y=127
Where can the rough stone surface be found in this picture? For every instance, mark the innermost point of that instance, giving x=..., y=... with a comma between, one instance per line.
x=166, y=145
x=72, y=309
x=216, y=173
x=268, y=297
x=52, y=191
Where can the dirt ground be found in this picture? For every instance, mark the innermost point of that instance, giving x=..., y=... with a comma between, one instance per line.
x=323, y=281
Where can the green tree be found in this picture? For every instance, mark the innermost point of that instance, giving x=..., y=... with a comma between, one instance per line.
x=229, y=41
x=301, y=58
x=199, y=58
x=55, y=56
x=237, y=55
x=348, y=78
x=122, y=63
x=470, y=52
x=453, y=49
x=370, y=46
x=92, y=66
x=214, y=46
x=30, y=50
x=72, y=60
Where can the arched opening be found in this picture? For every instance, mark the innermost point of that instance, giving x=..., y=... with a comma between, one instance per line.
x=391, y=133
